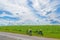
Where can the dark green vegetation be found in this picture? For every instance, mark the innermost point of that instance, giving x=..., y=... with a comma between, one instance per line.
x=52, y=31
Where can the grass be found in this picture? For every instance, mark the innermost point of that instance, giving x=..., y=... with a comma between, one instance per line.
x=51, y=31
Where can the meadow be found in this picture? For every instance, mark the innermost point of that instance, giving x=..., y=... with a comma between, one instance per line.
x=50, y=31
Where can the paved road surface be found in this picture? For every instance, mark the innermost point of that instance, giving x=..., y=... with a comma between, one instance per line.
x=11, y=36
x=6, y=38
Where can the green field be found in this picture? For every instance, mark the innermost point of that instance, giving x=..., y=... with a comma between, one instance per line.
x=51, y=31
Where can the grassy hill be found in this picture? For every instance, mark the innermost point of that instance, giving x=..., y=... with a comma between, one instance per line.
x=52, y=31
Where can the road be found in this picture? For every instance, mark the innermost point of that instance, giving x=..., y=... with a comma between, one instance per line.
x=12, y=36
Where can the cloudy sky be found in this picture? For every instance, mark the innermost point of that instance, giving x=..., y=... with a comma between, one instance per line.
x=29, y=12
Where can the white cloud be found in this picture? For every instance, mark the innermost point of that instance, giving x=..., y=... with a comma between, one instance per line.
x=19, y=8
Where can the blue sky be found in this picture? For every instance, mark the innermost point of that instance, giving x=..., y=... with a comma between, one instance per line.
x=29, y=12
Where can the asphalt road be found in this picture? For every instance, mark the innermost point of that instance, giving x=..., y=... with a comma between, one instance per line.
x=12, y=36
x=6, y=38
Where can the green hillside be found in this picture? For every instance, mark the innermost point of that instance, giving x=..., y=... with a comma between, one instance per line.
x=52, y=31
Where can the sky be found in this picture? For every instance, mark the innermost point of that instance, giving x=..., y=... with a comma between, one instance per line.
x=29, y=12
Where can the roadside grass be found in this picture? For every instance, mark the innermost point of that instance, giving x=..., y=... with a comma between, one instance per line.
x=50, y=31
